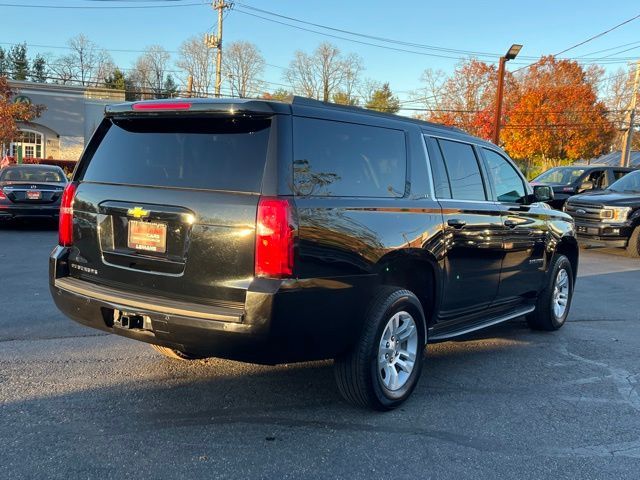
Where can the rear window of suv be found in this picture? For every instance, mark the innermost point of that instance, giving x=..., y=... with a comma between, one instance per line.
x=348, y=160
x=184, y=152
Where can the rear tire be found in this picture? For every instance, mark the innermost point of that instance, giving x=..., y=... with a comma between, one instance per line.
x=174, y=354
x=384, y=366
x=633, y=247
x=554, y=302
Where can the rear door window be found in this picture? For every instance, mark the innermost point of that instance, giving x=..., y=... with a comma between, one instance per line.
x=463, y=170
x=349, y=160
x=441, y=186
x=183, y=152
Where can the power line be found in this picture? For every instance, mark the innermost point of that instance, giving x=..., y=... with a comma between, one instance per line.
x=466, y=53
x=370, y=37
x=348, y=39
x=598, y=35
x=100, y=7
x=607, y=49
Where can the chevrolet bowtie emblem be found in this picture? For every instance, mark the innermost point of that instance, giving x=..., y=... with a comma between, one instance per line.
x=138, y=212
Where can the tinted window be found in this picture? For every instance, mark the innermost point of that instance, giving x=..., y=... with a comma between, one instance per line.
x=618, y=174
x=32, y=174
x=343, y=159
x=560, y=175
x=629, y=183
x=438, y=171
x=186, y=152
x=506, y=181
x=463, y=169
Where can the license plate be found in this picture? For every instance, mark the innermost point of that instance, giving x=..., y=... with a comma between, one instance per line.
x=34, y=194
x=148, y=236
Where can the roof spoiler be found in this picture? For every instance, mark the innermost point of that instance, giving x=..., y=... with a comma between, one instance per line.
x=225, y=106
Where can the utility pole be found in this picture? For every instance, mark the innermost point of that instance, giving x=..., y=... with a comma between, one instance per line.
x=189, y=86
x=215, y=41
x=497, y=118
x=626, y=146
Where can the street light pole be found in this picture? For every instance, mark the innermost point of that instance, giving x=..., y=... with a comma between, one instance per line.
x=497, y=118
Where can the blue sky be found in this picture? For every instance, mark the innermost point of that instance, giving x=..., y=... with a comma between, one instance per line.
x=542, y=26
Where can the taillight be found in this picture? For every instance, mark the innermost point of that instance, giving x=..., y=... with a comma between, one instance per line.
x=274, y=238
x=2, y=195
x=162, y=106
x=65, y=229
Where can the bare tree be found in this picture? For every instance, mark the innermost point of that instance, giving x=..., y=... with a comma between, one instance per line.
x=324, y=72
x=243, y=64
x=616, y=93
x=87, y=63
x=432, y=90
x=367, y=88
x=196, y=60
x=140, y=78
x=156, y=59
x=63, y=69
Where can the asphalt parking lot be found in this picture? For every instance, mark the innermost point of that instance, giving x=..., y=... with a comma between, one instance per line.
x=507, y=403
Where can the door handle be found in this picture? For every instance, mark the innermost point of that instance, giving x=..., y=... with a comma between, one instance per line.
x=510, y=223
x=456, y=223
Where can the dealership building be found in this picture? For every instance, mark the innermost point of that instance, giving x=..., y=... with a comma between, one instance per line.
x=71, y=115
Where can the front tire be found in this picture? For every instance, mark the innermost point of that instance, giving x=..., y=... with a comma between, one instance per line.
x=383, y=368
x=633, y=247
x=552, y=307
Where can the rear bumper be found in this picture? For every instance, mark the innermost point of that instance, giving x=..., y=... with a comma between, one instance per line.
x=26, y=210
x=282, y=320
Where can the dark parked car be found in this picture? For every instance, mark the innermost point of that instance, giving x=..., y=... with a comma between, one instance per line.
x=610, y=218
x=28, y=191
x=277, y=232
x=568, y=181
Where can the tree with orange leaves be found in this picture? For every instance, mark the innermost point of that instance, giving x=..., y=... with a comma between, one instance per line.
x=466, y=99
x=12, y=112
x=557, y=117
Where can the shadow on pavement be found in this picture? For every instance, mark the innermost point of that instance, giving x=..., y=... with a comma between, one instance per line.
x=29, y=224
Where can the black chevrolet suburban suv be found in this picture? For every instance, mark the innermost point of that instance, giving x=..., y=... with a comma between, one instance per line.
x=610, y=218
x=572, y=180
x=277, y=232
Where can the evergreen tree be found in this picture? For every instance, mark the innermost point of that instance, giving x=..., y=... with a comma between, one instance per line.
x=115, y=80
x=18, y=62
x=39, y=69
x=384, y=100
x=4, y=63
x=170, y=87
x=343, y=98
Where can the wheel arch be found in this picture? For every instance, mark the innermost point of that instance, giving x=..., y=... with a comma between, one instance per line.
x=568, y=246
x=417, y=271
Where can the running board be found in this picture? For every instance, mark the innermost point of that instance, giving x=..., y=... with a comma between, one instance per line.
x=479, y=325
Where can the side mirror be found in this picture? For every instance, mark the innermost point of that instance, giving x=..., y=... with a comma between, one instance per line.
x=542, y=193
x=586, y=185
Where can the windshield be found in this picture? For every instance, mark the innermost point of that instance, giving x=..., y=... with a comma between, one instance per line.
x=560, y=175
x=628, y=183
x=31, y=174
